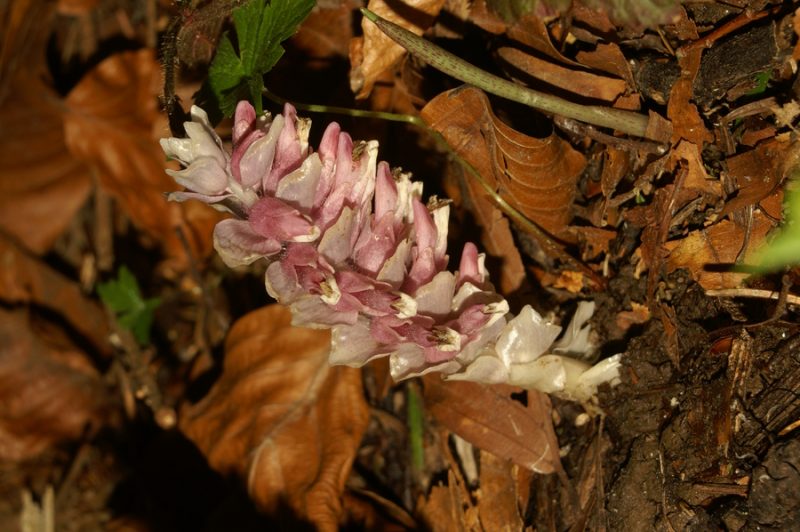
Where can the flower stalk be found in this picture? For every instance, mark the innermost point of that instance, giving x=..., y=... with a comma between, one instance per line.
x=351, y=247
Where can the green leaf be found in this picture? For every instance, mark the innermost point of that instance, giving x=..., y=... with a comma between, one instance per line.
x=260, y=30
x=760, y=80
x=123, y=297
x=784, y=249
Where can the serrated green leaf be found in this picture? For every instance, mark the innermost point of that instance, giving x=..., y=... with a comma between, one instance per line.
x=124, y=298
x=260, y=29
x=226, y=71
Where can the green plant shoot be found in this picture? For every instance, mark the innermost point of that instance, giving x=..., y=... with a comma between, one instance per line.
x=784, y=249
x=237, y=72
x=124, y=298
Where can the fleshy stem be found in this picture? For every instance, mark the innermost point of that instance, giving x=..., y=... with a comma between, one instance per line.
x=522, y=221
x=624, y=121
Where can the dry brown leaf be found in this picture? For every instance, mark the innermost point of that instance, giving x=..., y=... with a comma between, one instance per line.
x=25, y=279
x=796, y=26
x=49, y=390
x=496, y=231
x=375, y=52
x=444, y=509
x=688, y=156
x=686, y=120
x=593, y=240
x=497, y=505
x=710, y=253
x=41, y=185
x=585, y=84
x=531, y=31
x=484, y=18
x=627, y=318
x=537, y=176
x=757, y=173
x=110, y=126
x=494, y=422
x=608, y=57
x=327, y=31
x=280, y=418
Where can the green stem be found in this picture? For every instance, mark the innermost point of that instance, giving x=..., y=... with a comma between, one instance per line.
x=416, y=427
x=625, y=121
x=347, y=111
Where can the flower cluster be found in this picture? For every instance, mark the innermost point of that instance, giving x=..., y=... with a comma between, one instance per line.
x=352, y=247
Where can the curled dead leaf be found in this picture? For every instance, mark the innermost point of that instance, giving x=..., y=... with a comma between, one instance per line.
x=374, y=53
x=109, y=125
x=280, y=418
x=537, y=176
x=49, y=390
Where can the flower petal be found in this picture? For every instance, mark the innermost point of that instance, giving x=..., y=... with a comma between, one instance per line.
x=290, y=149
x=244, y=121
x=526, y=337
x=274, y=219
x=353, y=345
x=204, y=176
x=239, y=245
x=252, y=162
x=298, y=188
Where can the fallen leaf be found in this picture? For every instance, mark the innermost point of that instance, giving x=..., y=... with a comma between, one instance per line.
x=537, y=176
x=634, y=14
x=327, y=31
x=444, y=509
x=110, y=126
x=697, y=180
x=49, y=390
x=585, y=84
x=627, y=318
x=375, y=52
x=594, y=241
x=607, y=57
x=496, y=233
x=686, y=120
x=709, y=254
x=571, y=281
x=26, y=279
x=41, y=185
x=757, y=173
x=494, y=422
x=531, y=31
x=497, y=505
x=280, y=418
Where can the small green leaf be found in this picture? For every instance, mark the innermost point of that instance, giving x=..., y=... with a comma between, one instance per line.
x=260, y=29
x=760, y=80
x=784, y=249
x=123, y=297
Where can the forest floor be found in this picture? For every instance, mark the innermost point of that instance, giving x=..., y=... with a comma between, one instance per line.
x=146, y=386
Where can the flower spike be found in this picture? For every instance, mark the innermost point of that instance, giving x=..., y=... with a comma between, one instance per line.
x=352, y=247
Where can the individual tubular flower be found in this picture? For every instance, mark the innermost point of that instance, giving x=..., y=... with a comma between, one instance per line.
x=352, y=247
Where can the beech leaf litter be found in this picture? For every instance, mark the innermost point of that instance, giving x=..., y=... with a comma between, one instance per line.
x=269, y=264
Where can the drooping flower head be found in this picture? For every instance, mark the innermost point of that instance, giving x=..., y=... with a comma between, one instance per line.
x=352, y=247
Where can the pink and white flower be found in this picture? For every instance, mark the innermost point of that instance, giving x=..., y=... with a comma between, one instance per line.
x=352, y=247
